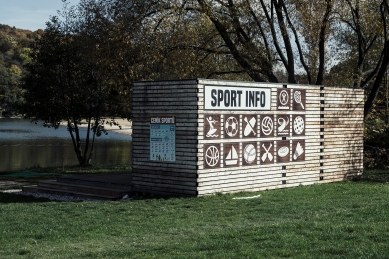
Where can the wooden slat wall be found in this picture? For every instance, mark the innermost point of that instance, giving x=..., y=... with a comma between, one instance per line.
x=342, y=126
x=171, y=98
x=333, y=140
x=264, y=176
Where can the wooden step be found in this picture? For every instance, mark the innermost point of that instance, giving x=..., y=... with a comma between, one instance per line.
x=115, y=192
x=119, y=181
x=37, y=189
x=111, y=186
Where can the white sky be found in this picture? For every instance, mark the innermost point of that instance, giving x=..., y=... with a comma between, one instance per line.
x=29, y=14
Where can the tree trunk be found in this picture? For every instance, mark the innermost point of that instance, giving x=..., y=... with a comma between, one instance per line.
x=288, y=46
x=322, y=39
x=378, y=81
x=230, y=44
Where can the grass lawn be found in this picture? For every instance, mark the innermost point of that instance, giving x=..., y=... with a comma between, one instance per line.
x=339, y=220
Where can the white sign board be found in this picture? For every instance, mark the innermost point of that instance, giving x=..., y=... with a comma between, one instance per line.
x=162, y=139
x=237, y=98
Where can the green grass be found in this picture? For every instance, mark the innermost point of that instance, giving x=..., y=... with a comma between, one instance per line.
x=339, y=220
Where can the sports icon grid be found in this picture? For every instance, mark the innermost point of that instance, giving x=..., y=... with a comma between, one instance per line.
x=265, y=129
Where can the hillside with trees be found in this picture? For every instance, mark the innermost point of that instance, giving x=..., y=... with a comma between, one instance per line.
x=15, y=46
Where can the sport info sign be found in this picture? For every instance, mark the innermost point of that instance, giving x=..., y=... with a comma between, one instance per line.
x=163, y=139
x=237, y=98
x=250, y=138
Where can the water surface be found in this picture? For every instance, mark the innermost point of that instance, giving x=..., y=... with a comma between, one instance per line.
x=24, y=144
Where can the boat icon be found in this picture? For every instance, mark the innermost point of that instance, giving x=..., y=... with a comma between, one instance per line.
x=232, y=157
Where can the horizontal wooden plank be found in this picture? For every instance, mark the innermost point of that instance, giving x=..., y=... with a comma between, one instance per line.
x=150, y=166
x=343, y=171
x=253, y=84
x=204, y=180
x=164, y=190
x=139, y=157
x=341, y=106
x=140, y=168
x=168, y=174
x=341, y=114
x=252, y=182
x=183, y=123
x=259, y=168
x=348, y=145
x=163, y=177
x=165, y=185
x=257, y=188
x=352, y=95
x=350, y=150
x=166, y=83
x=331, y=92
x=156, y=103
x=154, y=180
x=174, y=96
x=147, y=112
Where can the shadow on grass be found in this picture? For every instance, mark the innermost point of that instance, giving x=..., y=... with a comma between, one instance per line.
x=17, y=198
x=374, y=176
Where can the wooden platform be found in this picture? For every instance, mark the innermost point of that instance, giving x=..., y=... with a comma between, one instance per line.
x=107, y=186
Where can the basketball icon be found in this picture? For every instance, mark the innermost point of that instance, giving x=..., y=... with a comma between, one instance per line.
x=298, y=125
x=212, y=156
x=267, y=125
x=231, y=126
x=249, y=153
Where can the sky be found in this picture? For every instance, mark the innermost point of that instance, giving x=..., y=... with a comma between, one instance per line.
x=29, y=14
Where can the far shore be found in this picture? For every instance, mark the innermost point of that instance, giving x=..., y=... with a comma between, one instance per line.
x=126, y=126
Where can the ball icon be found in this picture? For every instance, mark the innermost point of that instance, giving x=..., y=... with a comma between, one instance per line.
x=249, y=153
x=212, y=156
x=298, y=125
x=267, y=125
x=231, y=126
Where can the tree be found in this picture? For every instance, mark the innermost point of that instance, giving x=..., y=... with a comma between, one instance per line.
x=66, y=81
x=185, y=44
x=304, y=38
x=382, y=65
x=292, y=35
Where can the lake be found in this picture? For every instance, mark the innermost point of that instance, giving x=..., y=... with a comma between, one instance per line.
x=24, y=145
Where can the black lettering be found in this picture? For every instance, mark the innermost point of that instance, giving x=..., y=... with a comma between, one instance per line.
x=263, y=99
x=226, y=98
x=239, y=98
x=257, y=97
x=233, y=98
x=213, y=96
x=251, y=99
x=219, y=97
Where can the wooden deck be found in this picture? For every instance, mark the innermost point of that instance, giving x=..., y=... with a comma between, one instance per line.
x=120, y=180
x=107, y=186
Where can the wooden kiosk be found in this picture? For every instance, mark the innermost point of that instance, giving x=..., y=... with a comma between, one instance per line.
x=198, y=137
